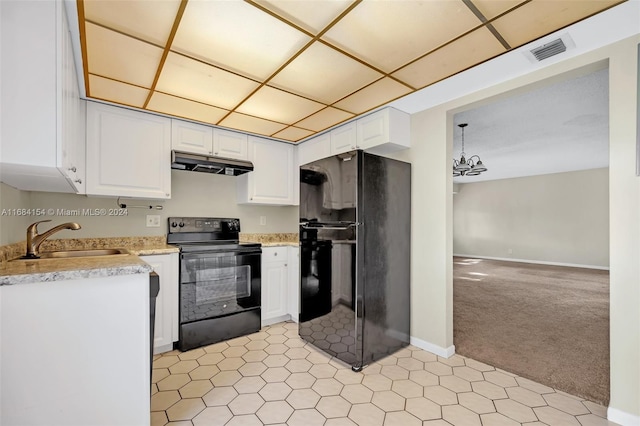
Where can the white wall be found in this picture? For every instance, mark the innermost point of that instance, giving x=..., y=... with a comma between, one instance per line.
x=193, y=194
x=13, y=227
x=431, y=141
x=557, y=218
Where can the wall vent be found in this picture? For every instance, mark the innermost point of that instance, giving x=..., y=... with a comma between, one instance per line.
x=549, y=49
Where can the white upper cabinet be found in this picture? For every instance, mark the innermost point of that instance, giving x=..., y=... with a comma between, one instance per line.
x=42, y=138
x=384, y=131
x=230, y=144
x=314, y=149
x=207, y=140
x=273, y=178
x=191, y=137
x=343, y=138
x=128, y=153
x=381, y=132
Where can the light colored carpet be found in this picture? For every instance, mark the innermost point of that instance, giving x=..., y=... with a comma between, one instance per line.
x=546, y=323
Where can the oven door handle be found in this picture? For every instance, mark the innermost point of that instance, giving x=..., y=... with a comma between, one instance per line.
x=230, y=253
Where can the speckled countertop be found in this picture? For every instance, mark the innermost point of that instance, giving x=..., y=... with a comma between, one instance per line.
x=28, y=271
x=271, y=240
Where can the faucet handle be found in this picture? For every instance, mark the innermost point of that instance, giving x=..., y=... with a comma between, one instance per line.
x=34, y=226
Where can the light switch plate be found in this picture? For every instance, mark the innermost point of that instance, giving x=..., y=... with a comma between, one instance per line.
x=153, y=221
x=263, y=220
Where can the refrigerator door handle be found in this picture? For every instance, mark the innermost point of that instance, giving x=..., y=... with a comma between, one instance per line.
x=316, y=225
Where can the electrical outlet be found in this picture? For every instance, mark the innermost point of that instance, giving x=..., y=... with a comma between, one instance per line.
x=263, y=220
x=153, y=221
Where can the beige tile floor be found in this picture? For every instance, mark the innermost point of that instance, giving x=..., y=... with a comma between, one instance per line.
x=274, y=378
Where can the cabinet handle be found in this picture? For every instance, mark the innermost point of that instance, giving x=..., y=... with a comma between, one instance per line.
x=275, y=254
x=78, y=181
x=72, y=169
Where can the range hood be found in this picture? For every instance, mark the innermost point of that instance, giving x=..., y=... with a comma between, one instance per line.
x=208, y=164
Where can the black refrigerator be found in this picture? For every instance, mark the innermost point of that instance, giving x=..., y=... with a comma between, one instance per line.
x=355, y=243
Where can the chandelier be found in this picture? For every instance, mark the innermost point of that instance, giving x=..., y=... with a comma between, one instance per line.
x=467, y=166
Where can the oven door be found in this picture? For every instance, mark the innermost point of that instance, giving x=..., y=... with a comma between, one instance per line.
x=215, y=284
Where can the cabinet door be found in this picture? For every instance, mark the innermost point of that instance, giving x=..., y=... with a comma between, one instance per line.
x=191, y=137
x=293, y=265
x=273, y=177
x=71, y=120
x=314, y=149
x=166, y=321
x=343, y=138
x=384, y=131
x=128, y=153
x=230, y=144
x=274, y=291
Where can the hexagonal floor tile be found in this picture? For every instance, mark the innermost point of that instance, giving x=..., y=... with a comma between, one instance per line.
x=204, y=372
x=497, y=419
x=410, y=364
x=407, y=388
x=565, y=403
x=322, y=371
x=476, y=403
x=423, y=408
x=553, y=416
x=226, y=378
x=366, y=415
x=275, y=374
x=251, y=384
x=489, y=390
x=308, y=417
x=356, y=394
x=455, y=383
x=275, y=391
x=173, y=382
x=394, y=372
x=212, y=416
x=401, y=418
x=327, y=387
x=298, y=365
x=388, y=401
x=255, y=356
x=220, y=396
x=500, y=379
x=183, y=366
x=230, y=364
x=333, y=406
x=185, y=409
x=163, y=400
x=246, y=404
x=303, y=398
x=438, y=368
x=300, y=380
x=245, y=420
x=252, y=369
x=210, y=358
x=468, y=374
x=195, y=389
x=440, y=395
x=514, y=410
x=424, y=378
x=274, y=412
x=526, y=397
x=348, y=377
x=457, y=415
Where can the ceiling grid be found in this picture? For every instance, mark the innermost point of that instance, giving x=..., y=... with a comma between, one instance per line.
x=288, y=69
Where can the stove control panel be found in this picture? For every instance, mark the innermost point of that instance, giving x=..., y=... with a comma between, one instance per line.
x=203, y=224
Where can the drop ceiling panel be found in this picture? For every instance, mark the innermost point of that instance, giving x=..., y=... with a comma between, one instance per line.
x=147, y=20
x=250, y=124
x=119, y=57
x=277, y=105
x=459, y=55
x=172, y=105
x=293, y=134
x=115, y=91
x=237, y=36
x=324, y=74
x=492, y=8
x=324, y=119
x=191, y=79
x=390, y=33
x=255, y=65
x=312, y=15
x=379, y=93
x=541, y=17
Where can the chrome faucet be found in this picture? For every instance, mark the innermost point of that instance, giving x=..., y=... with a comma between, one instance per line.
x=34, y=239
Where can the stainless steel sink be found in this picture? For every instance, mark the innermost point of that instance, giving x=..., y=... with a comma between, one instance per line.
x=80, y=253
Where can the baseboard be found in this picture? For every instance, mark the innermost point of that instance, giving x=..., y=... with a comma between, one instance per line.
x=434, y=349
x=275, y=320
x=162, y=349
x=622, y=418
x=538, y=262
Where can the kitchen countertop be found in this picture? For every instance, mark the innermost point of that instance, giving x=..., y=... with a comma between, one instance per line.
x=44, y=270
x=271, y=240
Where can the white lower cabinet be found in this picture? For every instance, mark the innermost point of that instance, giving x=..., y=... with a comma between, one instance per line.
x=294, y=282
x=274, y=285
x=166, y=324
x=279, y=284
